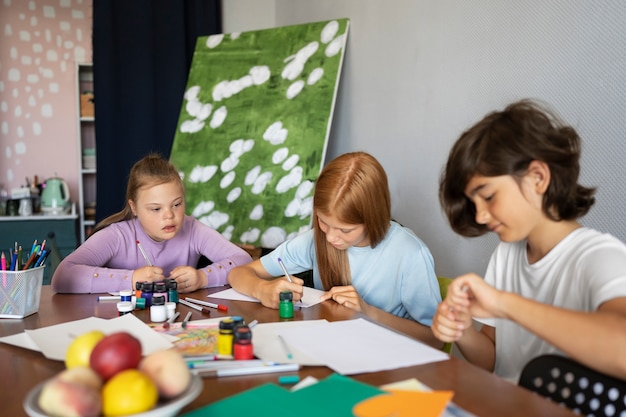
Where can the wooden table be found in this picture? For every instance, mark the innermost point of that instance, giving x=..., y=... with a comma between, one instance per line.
x=477, y=391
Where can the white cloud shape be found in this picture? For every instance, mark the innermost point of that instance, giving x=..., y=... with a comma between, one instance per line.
x=335, y=46
x=196, y=109
x=218, y=117
x=202, y=174
x=257, y=212
x=227, y=179
x=261, y=182
x=214, y=40
x=241, y=146
x=203, y=208
x=256, y=76
x=315, y=76
x=304, y=189
x=233, y=194
x=229, y=163
x=273, y=237
x=291, y=162
x=193, y=108
x=329, y=31
x=300, y=208
x=250, y=235
x=294, y=89
x=204, y=111
x=260, y=74
x=293, y=69
x=252, y=175
x=192, y=93
x=292, y=179
x=215, y=220
x=228, y=232
x=275, y=134
x=280, y=155
x=302, y=204
x=191, y=126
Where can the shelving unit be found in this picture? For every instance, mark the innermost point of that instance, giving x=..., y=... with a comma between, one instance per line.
x=86, y=147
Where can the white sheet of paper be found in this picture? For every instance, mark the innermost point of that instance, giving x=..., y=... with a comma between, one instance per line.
x=24, y=340
x=231, y=294
x=356, y=346
x=53, y=341
x=268, y=347
x=310, y=297
x=20, y=340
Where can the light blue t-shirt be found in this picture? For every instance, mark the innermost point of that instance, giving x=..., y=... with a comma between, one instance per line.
x=398, y=276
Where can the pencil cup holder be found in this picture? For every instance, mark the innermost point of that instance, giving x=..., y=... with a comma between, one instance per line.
x=20, y=292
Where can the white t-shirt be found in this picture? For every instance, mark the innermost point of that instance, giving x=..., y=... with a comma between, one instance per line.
x=584, y=270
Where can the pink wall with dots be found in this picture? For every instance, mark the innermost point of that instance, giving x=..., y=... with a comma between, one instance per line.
x=40, y=45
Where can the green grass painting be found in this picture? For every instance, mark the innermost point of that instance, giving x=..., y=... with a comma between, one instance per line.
x=253, y=128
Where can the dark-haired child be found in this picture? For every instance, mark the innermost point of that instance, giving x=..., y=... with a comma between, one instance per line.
x=552, y=285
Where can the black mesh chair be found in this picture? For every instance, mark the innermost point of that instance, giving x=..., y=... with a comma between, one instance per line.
x=583, y=390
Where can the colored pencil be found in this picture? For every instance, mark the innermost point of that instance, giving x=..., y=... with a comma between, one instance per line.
x=143, y=252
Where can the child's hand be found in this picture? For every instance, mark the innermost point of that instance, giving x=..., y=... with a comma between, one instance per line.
x=148, y=273
x=472, y=292
x=452, y=317
x=268, y=291
x=188, y=278
x=346, y=296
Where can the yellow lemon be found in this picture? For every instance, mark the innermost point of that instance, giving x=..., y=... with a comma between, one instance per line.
x=129, y=392
x=79, y=350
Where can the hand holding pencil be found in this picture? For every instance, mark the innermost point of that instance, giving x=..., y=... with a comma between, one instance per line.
x=268, y=290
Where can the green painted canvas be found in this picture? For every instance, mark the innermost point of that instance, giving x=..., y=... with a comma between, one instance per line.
x=253, y=128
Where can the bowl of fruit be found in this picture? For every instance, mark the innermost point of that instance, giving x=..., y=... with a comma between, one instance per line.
x=106, y=375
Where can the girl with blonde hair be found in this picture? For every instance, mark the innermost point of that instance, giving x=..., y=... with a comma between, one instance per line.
x=111, y=259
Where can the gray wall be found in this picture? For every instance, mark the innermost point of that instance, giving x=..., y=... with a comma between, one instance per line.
x=419, y=72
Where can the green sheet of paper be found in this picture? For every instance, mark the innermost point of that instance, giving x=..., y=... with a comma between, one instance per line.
x=332, y=396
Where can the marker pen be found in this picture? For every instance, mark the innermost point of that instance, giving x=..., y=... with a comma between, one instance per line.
x=219, y=307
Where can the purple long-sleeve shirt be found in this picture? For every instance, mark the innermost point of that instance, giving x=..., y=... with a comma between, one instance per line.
x=105, y=262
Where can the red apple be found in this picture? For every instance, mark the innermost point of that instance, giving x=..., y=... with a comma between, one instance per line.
x=114, y=353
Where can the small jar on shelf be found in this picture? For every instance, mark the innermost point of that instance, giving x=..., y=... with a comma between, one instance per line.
x=89, y=158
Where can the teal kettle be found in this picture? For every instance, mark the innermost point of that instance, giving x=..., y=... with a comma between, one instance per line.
x=55, y=196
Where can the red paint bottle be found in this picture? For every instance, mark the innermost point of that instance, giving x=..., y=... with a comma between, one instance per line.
x=242, y=348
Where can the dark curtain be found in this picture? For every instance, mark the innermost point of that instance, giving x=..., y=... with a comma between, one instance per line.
x=142, y=52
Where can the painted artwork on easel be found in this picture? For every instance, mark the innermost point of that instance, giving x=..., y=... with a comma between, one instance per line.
x=254, y=125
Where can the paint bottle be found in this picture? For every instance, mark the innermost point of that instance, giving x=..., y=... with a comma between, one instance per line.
x=225, y=338
x=126, y=295
x=160, y=289
x=237, y=321
x=147, y=290
x=172, y=290
x=124, y=307
x=170, y=307
x=242, y=349
x=158, y=312
x=285, y=308
x=140, y=303
x=138, y=286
